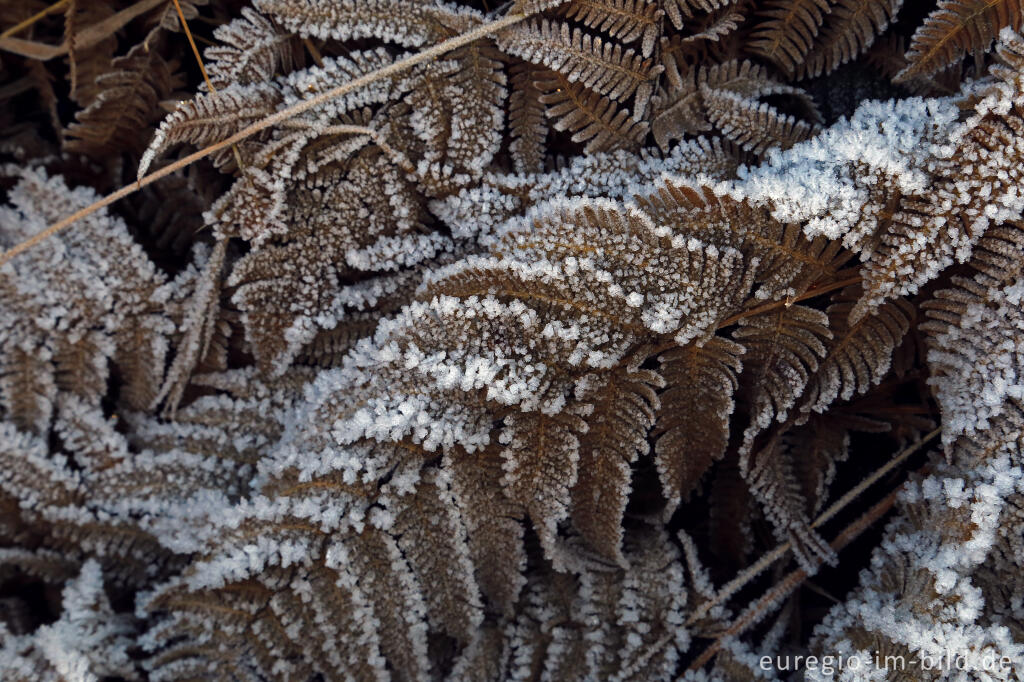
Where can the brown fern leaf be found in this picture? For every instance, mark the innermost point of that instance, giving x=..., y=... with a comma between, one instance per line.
x=769, y=473
x=789, y=262
x=849, y=30
x=998, y=264
x=331, y=345
x=888, y=57
x=693, y=423
x=726, y=95
x=680, y=11
x=859, y=355
x=252, y=50
x=784, y=348
x=721, y=23
x=541, y=464
x=27, y=388
x=526, y=118
x=405, y=22
x=167, y=18
x=493, y=522
x=603, y=67
x=955, y=28
x=817, y=445
x=462, y=139
x=624, y=408
x=787, y=35
x=198, y=326
x=130, y=93
x=624, y=20
x=681, y=54
x=453, y=600
x=80, y=366
x=88, y=63
x=756, y=127
x=937, y=227
x=211, y=117
x=595, y=120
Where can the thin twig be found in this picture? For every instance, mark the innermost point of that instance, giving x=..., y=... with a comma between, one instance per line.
x=785, y=587
x=22, y=25
x=766, y=560
x=390, y=70
x=878, y=473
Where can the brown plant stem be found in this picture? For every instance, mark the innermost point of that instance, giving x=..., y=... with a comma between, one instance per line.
x=787, y=585
x=766, y=560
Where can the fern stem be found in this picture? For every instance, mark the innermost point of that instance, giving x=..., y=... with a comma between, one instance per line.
x=755, y=612
x=766, y=560
x=392, y=69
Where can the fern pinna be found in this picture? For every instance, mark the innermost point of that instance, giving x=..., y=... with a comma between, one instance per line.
x=541, y=358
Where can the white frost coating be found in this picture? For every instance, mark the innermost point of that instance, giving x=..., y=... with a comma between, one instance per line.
x=393, y=253
x=978, y=365
x=826, y=180
x=88, y=642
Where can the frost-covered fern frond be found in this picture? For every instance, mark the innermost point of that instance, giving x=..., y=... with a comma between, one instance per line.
x=87, y=643
x=570, y=348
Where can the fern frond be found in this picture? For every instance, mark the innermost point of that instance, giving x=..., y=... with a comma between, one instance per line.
x=197, y=327
x=788, y=33
x=493, y=524
x=624, y=20
x=624, y=409
x=128, y=101
x=784, y=347
x=769, y=473
x=755, y=127
x=935, y=228
x=595, y=120
x=526, y=118
x=432, y=549
x=859, y=354
x=850, y=29
x=404, y=22
x=681, y=10
x=252, y=50
x=726, y=95
x=541, y=461
x=789, y=262
x=95, y=60
x=603, y=67
x=693, y=423
x=955, y=28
